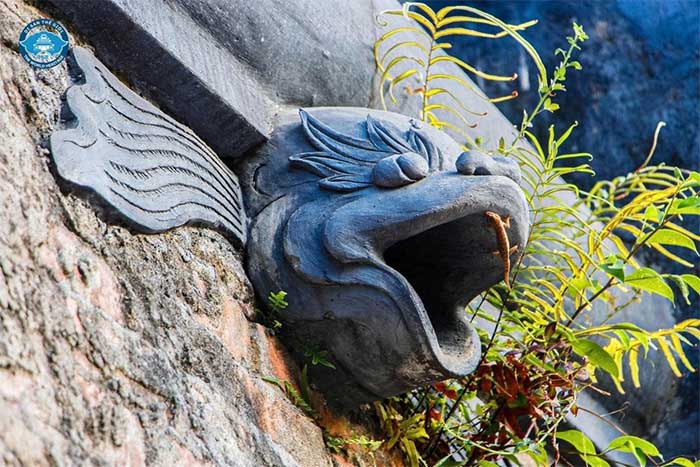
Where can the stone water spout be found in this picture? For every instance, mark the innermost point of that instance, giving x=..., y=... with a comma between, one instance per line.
x=372, y=222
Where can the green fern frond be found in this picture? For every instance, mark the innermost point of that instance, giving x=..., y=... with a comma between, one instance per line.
x=668, y=341
x=425, y=48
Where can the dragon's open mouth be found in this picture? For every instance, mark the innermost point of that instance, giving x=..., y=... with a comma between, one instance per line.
x=447, y=266
x=433, y=239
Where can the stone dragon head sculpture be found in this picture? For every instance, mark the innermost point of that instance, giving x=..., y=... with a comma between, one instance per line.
x=380, y=239
x=372, y=222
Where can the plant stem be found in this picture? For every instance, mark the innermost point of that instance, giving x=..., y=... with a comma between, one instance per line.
x=424, y=117
x=544, y=95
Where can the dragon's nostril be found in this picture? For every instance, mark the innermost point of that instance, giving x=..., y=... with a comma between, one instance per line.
x=399, y=170
x=476, y=163
x=473, y=163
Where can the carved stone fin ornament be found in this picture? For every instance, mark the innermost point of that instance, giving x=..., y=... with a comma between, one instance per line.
x=372, y=222
x=154, y=171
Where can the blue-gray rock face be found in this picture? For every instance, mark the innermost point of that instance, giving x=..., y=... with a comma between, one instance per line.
x=641, y=65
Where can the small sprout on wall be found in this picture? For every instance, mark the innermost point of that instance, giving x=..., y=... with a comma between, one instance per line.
x=277, y=301
x=336, y=444
x=303, y=403
x=318, y=357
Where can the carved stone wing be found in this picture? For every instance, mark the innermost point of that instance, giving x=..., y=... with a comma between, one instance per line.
x=156, y=172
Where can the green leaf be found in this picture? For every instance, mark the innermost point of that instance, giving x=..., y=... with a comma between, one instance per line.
x=584, y=446
x=641, y=459
x=409, y=448
x=693, y=281
x=623, y=337
x=277, y=301
x=671, y=237
x=678, y=347
x=550, y=106
x=693, y=201
x=648, y=280
x=643, y=338
x=417, y=433
x=318, y=357
x=653, y=213
x=304, y=385
x=690, y=205
x=628, y=442
x=297, y=399
x=634, y=367
x=560, y=74
x=272, y=380
x=579, y=33
x=615, y=267
x=594, y=461
x=639, y=447
x=597, y=356
x=566, y=135
x=680, y=283
x=682, y=461
x=578, y=286
x=694, y=179
x=581, y=442
x=448, y=461
x=626, y=327
x=666, y=350
x=539, y=455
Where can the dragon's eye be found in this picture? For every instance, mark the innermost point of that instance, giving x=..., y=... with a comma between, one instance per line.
x=399, y=170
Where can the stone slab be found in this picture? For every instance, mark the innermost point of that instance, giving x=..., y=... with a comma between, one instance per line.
x=179, y=66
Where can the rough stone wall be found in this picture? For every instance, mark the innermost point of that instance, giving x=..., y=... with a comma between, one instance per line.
x=116, y=348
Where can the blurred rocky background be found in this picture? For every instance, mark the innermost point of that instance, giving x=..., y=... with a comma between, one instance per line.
x=641, y=65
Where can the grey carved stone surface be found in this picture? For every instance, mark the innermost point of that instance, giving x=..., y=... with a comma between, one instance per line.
x=156, y=172
x=363, y=218
x=372, y=222
x=236, y=61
